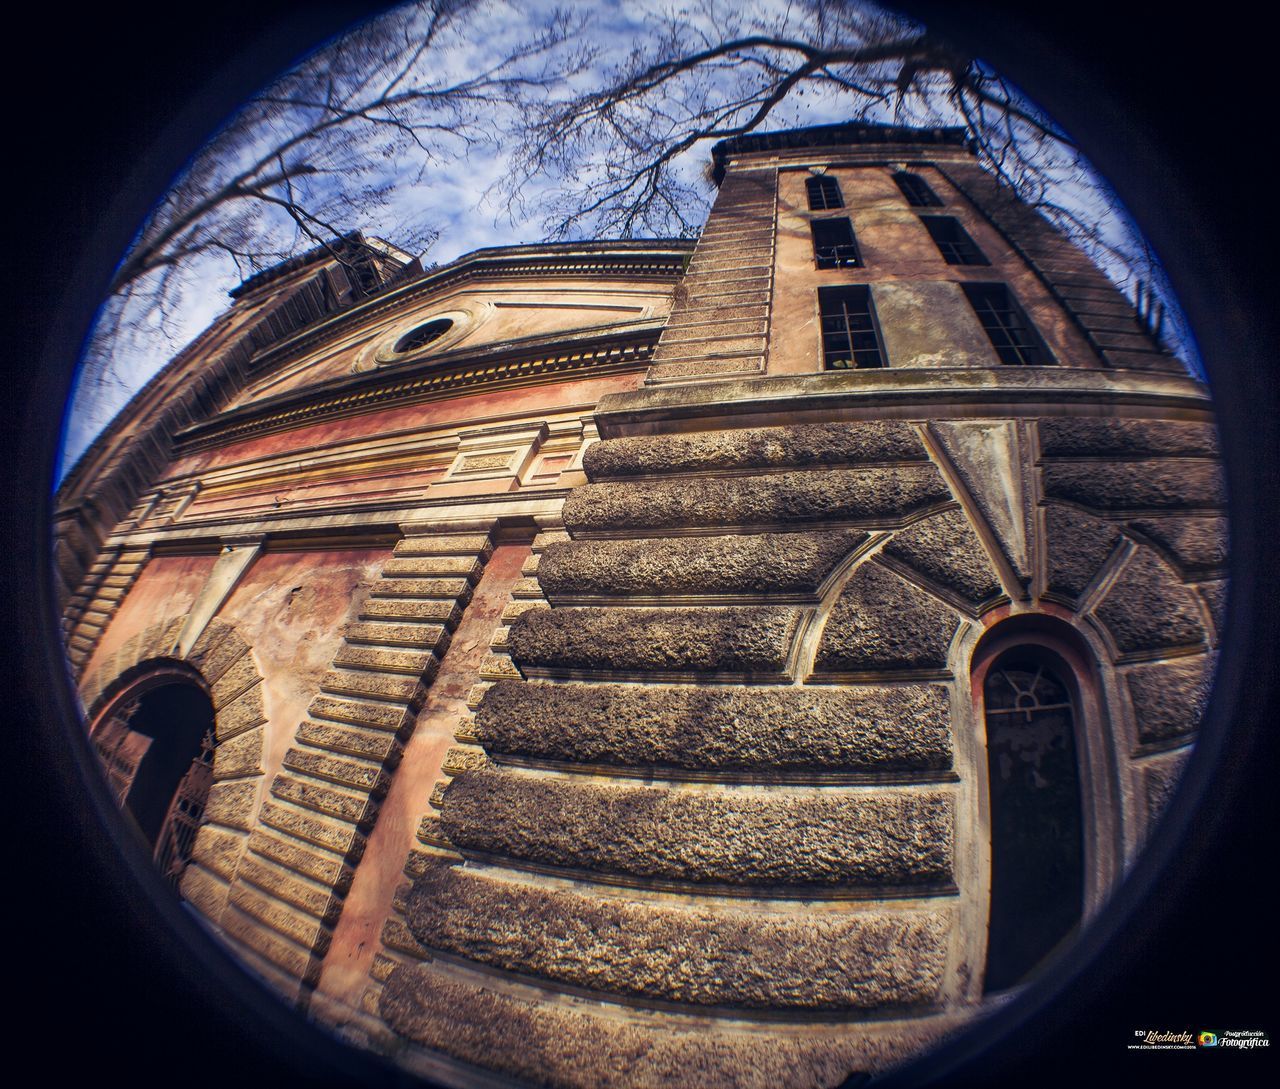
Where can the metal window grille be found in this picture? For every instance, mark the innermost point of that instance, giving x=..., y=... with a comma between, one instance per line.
x=953, y=241
x=1012, y=335
x=917, y=191
x=850, y=338
x=824, y=193
x=833, y=243
x=177, y=835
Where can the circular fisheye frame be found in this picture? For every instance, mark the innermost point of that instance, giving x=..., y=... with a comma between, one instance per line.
x=867, y=686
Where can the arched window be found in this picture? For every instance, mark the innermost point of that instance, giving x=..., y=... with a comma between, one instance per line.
x=1037, y=820
x=156, y=744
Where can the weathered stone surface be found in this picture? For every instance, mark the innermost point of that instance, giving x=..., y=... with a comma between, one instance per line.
x=217, y=649
x=218, y=850
x=1148, y=608
x=881, y=621
x=343, y=770
x=1078, y=546
x=318, y=865
x=945, y=548
x=402, y=687
x=422, y=636
x=340, y=836
x=242, y=713
x=732, y=956
x=429, y=587
x=204, y=892
x=987, y=455
x=427, y=567
x=836, y=495
x=400, y=609
x=705, y=365
x=1195, y=543
x=236, y=680
x=1074, y=436
x=763, y=563
x=1215, y=596
x=1136, y=485
x=303, y=929
x=1160, y=778
x=240, y=756
x=295, y=960
x=444, y=544
x=351, y=740
x=754, y=448
x=376, y=716
x=287, y=886
x=1169, y=699
x=560, y=1045
x=409, y=663
x=732, y=835
x=720, y=729
x=355, y=808
x=232, y=803
x=744, y=639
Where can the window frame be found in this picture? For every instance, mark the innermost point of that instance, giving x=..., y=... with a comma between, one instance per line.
x=1034, y=342
x=924, y=197
x=814, y=184
x=834, y=291
x=964, y=250
x=851, y=258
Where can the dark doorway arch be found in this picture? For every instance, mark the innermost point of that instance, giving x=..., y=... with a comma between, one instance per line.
x=156, y=742
x=1036, y=811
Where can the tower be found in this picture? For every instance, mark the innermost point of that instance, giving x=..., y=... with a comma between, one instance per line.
x=769, y=736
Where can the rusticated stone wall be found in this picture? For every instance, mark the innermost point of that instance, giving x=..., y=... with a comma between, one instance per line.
x=728, y=807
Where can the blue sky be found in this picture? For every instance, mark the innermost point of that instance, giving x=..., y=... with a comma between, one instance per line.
x=459, y=197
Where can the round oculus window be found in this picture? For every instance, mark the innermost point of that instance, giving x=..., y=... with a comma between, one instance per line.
x=423, y=335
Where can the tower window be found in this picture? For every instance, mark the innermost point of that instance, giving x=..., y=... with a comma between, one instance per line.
x=953, y=241
x=916, y=190
x=1012, y=335
x=824, y=193
x=833, y=243
x=850, y=338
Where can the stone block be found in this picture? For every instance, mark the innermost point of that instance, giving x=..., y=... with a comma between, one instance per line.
x=799, y=446
x=741, y=836
x=239, y=757
x=707, y=955
x=1169, y=699
x=289, y=853
x=423, y=567
x=243, y=713
x=781, y=563
x=397, y=688
x=341, y=837
x=1077, y=545
x=861, y=496
x=740, y=639
x=447, y=589
x=883, y=622
x=406, y=662
x=1196, y=543
x=419, y=636
x=313, y=900
x=357, y=809
x=343, y=771
x=232, y=803
x=1074, y=436
x=446, y=612
x=284, y=919
x=218, y=850
x=374, y=716
x=237, y=679
x=1136, y=485
x=575, y=1047
x=1148, y=608
x=767, y=731
x=945, y=549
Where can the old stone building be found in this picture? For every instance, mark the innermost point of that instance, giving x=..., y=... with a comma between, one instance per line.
x=729, y=663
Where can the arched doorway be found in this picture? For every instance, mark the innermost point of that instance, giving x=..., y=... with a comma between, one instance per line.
x=156, y=742
x=1036, y=811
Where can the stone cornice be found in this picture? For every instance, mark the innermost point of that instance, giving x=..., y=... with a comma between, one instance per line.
x=547, y=359
x=883, y=394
